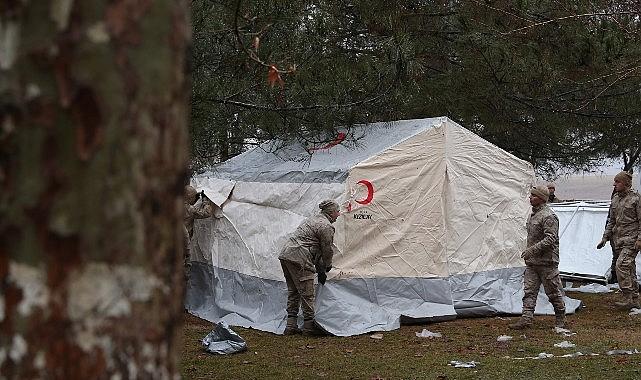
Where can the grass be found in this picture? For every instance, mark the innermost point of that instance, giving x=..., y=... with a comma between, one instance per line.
x=401, y=355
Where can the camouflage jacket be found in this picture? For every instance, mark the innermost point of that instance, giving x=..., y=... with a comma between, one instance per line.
x=542, y=237
x=554, y=199
x=311, y=245
x=201, y=210
x=624, y=224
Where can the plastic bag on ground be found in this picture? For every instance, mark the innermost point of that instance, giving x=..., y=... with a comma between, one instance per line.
x=460, y=364
x=223, y=341
x=564, y=344
x=428, y=334
x=590, y=288
x=622, y=352
x=564, y=332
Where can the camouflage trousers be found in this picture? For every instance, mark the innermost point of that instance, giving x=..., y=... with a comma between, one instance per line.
x=627, y=271
x=187, y=253
x=613, y=266
x=300, y=290
x=534, y=276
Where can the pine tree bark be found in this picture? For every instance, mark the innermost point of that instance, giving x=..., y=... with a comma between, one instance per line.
x=93, y=151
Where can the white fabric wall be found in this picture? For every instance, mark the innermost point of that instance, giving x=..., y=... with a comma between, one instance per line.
x=581, y=226
x=486, y=200
x=445, y=202
x=405, y=235
x=256, y=219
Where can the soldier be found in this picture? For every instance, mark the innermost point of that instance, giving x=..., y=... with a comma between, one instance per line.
x=191, y=212
x=624, y=229
x=307, y=251
x=615, y=254
x=552, y=198
x=541, y=260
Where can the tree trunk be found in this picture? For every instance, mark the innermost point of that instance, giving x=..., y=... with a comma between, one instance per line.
x=93, y=150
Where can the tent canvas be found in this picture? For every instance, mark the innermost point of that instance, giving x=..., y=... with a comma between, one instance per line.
x=581, y=226
x=432, y=227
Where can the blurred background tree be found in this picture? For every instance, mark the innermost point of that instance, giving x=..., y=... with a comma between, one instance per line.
x=93, y=159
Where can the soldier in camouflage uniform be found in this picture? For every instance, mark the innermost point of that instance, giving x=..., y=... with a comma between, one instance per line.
x=307, y=251
x=552, y=198
x=541, y=260
x=204, y=210
x=624, y=229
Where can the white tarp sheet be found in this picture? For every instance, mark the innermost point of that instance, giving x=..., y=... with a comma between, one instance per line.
x=581, y=225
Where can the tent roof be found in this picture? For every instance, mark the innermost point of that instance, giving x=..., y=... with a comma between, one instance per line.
x=275, y=161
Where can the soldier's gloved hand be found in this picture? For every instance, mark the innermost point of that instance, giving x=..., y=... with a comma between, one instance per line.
x=601, y=244
x=328, y=269
x=637, y=245
x=322, y=277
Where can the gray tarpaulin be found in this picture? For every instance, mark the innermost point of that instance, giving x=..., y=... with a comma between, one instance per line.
x=223, y=341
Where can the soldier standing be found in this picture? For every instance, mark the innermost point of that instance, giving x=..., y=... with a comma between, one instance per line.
x=624, y=229
x=307, y=251
x=541, y=260
x=551, y=189
x=204, y=210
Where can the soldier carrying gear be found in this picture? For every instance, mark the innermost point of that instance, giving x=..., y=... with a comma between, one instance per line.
x=192, y=211
x=624, y=229
x=541, y=260
x=308, y=250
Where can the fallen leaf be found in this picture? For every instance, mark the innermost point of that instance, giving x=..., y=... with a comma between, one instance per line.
x=273, y=77
x=376, y=336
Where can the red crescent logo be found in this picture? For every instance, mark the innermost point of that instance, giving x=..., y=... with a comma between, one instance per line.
x=339, y=139
x=370, y=192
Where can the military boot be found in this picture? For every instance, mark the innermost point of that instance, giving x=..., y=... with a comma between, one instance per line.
x=560, y=319
x=524, y=322
x=292, y=326
x=627, y=303
x=311, y=329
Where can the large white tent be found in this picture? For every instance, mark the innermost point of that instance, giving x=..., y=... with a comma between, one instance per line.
x=432, y=227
